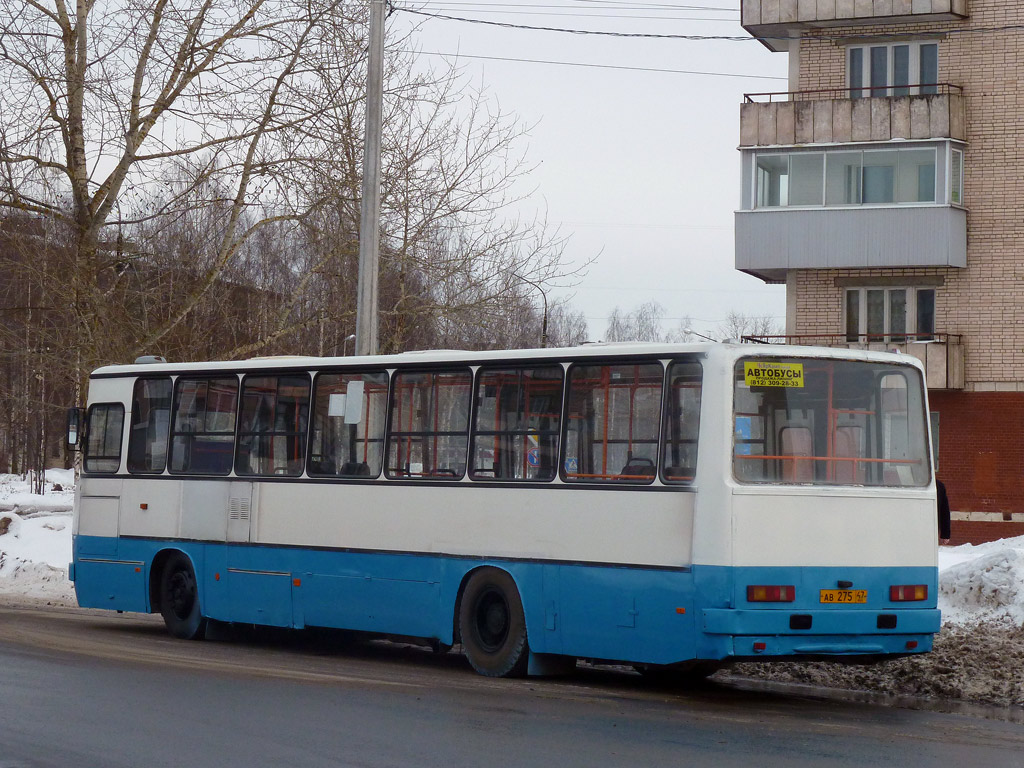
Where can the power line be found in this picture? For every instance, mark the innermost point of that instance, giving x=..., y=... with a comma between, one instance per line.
x=691, y=37
x=614, y=6
x=508, y=25
x=601, y=5
x=608, y=16
x=598, y=66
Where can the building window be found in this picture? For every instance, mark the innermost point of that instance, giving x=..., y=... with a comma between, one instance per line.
x=893, y=69
x=846, y=177
x=956, y=177
x=890, y=314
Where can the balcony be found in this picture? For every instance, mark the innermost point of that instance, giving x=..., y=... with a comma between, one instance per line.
x=829, y=115
x=768, y=18
x=942, y=354
x=834, y=182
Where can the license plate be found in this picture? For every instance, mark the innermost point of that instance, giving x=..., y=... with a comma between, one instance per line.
x=844, y=595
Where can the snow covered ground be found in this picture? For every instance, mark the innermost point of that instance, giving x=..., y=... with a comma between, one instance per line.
x=979, y=654
x=35, y=537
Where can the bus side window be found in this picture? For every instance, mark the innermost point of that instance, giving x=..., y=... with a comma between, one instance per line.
x=272, y=426
x=103, y=438
x=516, y=423
x=203, y=430
x=150, y=425
x=429, y=425
x=349, y=410
x=614, y=415
x=682, y=422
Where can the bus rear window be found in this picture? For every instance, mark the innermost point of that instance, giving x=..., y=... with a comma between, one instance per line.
x=829, y=422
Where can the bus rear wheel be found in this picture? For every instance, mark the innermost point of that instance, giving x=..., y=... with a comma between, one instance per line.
x=493, y=626
x=179, y=599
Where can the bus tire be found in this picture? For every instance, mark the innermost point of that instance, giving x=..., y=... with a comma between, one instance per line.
x=179, y=598
x=493, y=626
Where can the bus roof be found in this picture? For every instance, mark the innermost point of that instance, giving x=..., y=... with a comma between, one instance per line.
x=724, y=351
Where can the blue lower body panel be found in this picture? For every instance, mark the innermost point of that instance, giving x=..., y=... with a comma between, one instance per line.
x=637, y=615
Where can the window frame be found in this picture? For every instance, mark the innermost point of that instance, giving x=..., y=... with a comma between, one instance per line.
x=132, y=425
x=860, y=87
x=880, y=438
x=87, y=457
x=611, y=481
x=665, y=415
x=301, y=438
x=357, y=372
x=393, y=393
x=174, y=418
x=888, y=335
x=520, y=367
x=955, y=175
x=940, y=197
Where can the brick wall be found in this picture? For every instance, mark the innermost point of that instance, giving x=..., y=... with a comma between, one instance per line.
x=985, y=301
x=978, y=532
x=981, y=460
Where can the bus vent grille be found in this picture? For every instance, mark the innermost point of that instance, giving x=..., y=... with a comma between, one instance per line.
x=239, y=509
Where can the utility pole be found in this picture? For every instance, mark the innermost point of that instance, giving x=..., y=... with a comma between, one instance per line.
x=369, y=226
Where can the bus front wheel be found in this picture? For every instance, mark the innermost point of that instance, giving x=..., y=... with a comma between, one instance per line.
x=493, y=626
x=179, y=598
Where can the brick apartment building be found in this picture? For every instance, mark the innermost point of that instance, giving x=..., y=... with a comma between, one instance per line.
x=886, y=190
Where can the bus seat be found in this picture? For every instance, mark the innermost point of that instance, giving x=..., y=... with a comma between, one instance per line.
x=638, y=467
x=355, y=469
x=210, y=457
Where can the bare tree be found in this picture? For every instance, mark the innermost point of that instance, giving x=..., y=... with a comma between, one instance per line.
x=737, y=325
x=567, y=327
x=196, y=167
x=642, y=324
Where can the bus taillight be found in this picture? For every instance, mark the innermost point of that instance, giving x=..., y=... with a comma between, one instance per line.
x=770, y=593
x=908, y=592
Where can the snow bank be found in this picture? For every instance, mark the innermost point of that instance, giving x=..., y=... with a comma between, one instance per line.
x=983, y=582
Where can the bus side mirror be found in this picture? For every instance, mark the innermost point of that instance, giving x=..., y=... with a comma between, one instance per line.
x=76, y=417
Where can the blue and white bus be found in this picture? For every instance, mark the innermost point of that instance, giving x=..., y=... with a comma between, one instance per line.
x=674, y=507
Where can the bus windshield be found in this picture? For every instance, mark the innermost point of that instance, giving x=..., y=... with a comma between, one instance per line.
x=829, y=422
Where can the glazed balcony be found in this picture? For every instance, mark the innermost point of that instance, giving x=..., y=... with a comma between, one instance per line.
x=942, y=354
x=830, y=115
x=834, y=182
x=780, y=18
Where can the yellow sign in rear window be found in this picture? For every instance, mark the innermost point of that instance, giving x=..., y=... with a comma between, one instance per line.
x=764, y=374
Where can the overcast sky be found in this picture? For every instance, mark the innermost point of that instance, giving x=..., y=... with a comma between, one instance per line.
x=640, y=167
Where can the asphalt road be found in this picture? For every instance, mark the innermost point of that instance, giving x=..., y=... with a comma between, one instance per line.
x=81, y=689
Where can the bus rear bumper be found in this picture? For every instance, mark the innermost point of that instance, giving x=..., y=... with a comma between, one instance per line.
x=860, y=636
x=850, y=649
x=725, y=621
